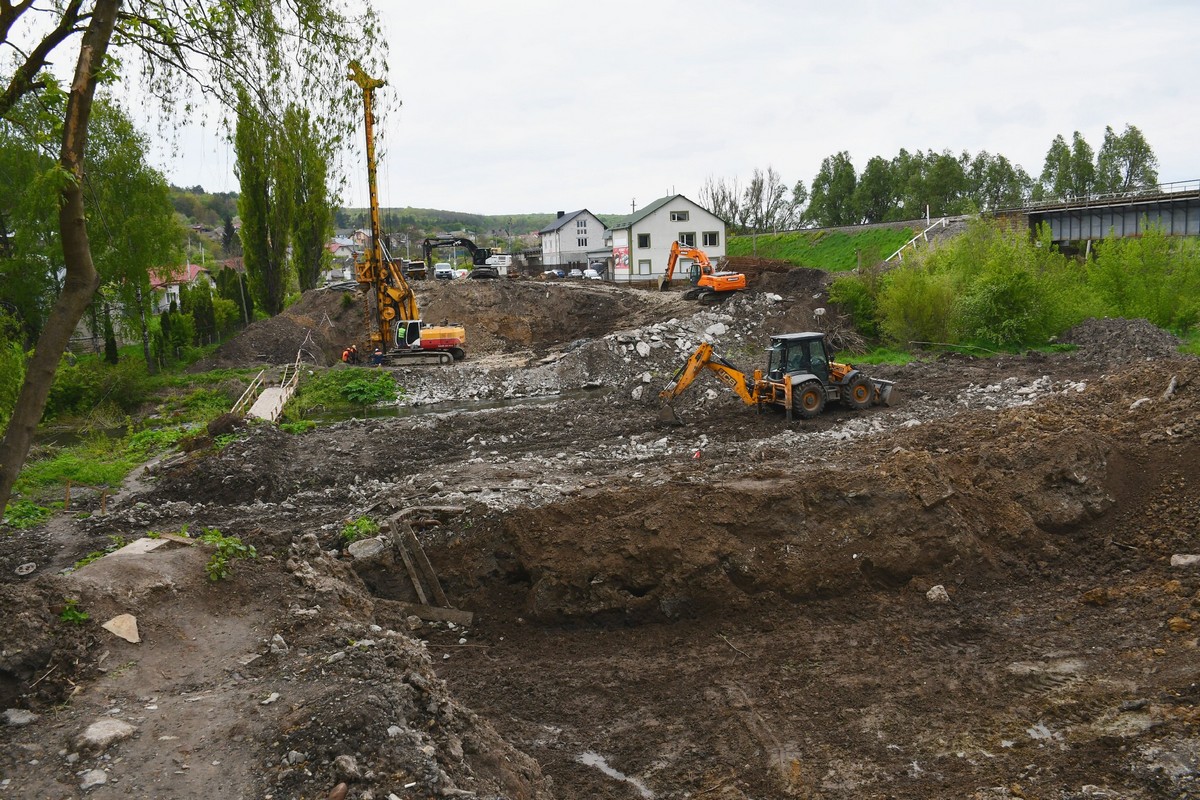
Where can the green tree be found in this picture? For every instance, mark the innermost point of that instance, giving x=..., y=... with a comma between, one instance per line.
x=832, y=199
x=135, y=227
x=312, y=220
x=1125, y=162
x=875, y=195
x=267, y=175
x=996, y=183
x=298, y=48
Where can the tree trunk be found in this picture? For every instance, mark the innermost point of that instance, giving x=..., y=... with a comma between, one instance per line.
x=151, y=366
x=82, y=280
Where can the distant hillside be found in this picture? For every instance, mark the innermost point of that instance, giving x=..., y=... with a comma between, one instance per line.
x=832, y=251
x=435, y=220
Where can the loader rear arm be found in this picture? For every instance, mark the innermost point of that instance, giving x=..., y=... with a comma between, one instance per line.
x=704, y=358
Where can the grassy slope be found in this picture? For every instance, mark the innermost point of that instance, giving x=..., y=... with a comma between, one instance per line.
x=830, y=251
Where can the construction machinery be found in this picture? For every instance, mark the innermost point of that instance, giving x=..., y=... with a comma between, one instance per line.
x=708, y=284
x=800, y=378
x=391, y=307
x=479, y=255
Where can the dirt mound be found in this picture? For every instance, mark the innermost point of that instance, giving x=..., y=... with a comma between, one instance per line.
x=1120, y=341
x=321, y=325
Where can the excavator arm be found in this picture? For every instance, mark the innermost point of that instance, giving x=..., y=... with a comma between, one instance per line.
x=677, y=251
x=704, y=358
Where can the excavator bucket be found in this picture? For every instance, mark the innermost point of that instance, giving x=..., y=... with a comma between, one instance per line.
x=662, y=283
x=668, y=416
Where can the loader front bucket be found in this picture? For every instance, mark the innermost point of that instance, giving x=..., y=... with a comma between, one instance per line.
x=883, y=392
x=668, y=416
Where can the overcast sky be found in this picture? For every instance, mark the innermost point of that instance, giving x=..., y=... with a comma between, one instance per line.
x=537, y=106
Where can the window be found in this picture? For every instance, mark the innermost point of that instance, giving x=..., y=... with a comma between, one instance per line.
x=679, y=216
x=712, y=238
x=687, y=239
x=581, y=241
x=644, y=241
x=644, y=267
x=581, y=224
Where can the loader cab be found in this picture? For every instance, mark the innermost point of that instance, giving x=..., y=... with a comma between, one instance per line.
x=798, y=353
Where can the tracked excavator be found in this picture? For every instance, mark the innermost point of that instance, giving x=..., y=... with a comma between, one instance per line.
x=391, y=307
x=479, y=255
x=708, y=285
x=800, y=379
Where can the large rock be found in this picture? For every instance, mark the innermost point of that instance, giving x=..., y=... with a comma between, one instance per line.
x=102, y=734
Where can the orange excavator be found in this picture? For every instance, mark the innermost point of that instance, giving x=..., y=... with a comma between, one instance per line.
x=708, y=285
x=393, y=318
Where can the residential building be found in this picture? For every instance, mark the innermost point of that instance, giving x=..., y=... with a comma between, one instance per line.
x=641, y=242
x=165, y=285
x=566, y=241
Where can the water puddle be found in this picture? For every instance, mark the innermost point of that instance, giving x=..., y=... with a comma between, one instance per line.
x=596, y=760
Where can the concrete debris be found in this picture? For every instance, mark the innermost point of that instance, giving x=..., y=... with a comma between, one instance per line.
x=18, y=717
x=123, y=626
x=102, y=734
x=938, y=594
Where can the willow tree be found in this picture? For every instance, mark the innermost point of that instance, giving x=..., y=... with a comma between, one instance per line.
x=172, y=49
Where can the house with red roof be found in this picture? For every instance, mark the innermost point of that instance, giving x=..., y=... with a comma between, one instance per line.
x=165, y=283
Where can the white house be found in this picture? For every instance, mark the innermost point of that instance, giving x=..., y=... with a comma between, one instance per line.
x=641, y=244
x=567, y=240
x=165, y=283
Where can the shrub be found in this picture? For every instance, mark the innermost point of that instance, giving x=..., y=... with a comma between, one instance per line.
x=228, y=549
x=361, y=528
x=917, y=306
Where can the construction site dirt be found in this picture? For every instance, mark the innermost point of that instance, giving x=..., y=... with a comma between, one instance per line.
x=988, y=589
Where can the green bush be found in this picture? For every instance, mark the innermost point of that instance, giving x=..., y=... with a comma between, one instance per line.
x=858, y=297
x=229, y=548
x=370, y=388
x=917, y=306
x=26, y=514
x=1154, y=276
x=341, y=389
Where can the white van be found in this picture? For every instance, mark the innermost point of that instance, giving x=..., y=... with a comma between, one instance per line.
x=443, y=271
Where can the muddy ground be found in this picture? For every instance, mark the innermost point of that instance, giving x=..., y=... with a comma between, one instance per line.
x=989, y=589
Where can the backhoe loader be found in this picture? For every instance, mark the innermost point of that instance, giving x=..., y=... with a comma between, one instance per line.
x=800, y=378
x=708, y=285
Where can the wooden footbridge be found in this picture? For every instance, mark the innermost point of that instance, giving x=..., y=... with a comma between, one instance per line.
x=266, y=396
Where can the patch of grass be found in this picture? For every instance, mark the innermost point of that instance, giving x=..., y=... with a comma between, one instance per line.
x=333, y=390
x=1191, y=342
x=298, y=427
x=361, y=528
x=229, y=548
x=880, y=355
x=828, y=250
x=26, y=514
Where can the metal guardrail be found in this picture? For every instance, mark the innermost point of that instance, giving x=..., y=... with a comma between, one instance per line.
x=922, y=236
x=1108, y=198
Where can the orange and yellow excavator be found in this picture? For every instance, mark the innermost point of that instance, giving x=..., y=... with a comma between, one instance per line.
x=800, y=378
x=393, y=318
x=708, y=285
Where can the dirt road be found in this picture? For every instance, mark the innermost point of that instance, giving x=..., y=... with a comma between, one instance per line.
x=988, y=590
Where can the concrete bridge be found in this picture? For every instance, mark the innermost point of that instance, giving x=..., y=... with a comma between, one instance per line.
x=1173, y=206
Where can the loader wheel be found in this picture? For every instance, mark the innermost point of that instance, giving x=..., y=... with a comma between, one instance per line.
x=808, y=399
x=857, y=393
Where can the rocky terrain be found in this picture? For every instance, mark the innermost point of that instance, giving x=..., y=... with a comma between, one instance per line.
x=988, y=589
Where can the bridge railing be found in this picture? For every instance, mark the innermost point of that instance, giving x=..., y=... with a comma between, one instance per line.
x=1107, y=198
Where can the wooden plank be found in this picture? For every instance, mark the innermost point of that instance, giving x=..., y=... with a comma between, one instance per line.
x=435, y=614
x=423, y=562
x=408, y=564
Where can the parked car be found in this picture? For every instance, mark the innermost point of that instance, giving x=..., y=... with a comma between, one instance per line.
x=484, y=271
x=554, y=273
x=575, y=273
x=592, y=274
x=443, y=271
